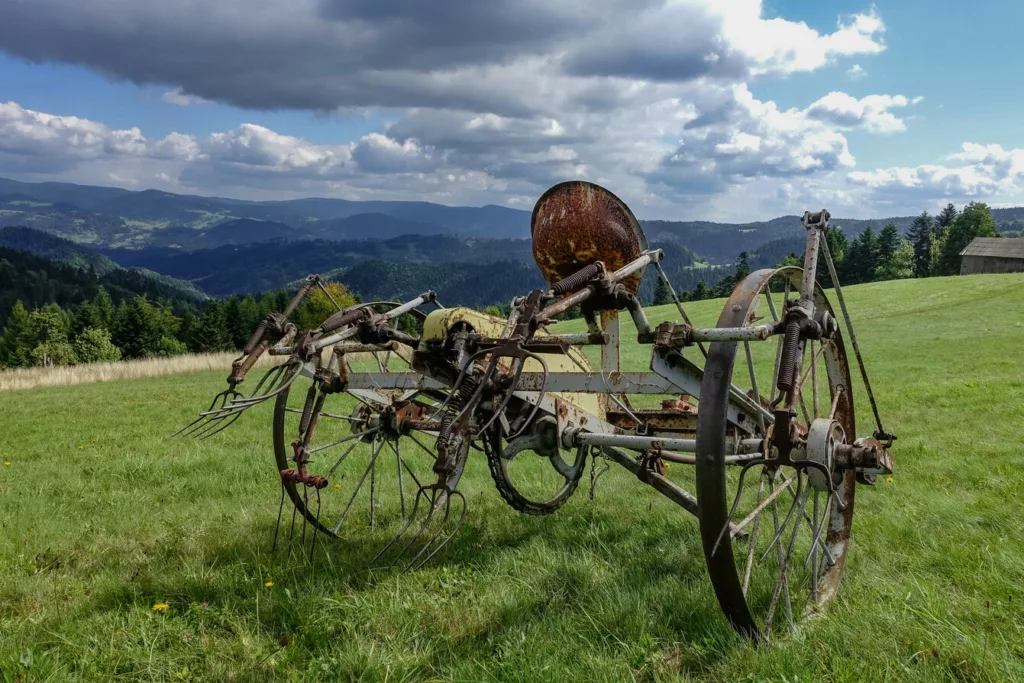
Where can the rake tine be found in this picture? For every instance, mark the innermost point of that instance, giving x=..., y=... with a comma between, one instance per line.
x=440, y=528
x=432, y=497
x=305, y=507
x=195, y=424
x=735, y=502
x=421, y=493
x=291, y=531
x=277, y=528
x=312, y=548
x=543, y=389
x=449, y=537
x=229, y=421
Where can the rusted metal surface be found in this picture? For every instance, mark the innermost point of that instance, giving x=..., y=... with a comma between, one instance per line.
x=575, y=224
x=657, y=422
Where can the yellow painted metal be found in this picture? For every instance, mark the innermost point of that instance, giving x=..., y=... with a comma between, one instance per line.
x=438, y=323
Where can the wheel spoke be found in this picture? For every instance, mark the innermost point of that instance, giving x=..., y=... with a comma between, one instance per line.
x=373, y=460
x=814, y=552
x=784, y=569
x=408, y=469
x=756, y=512
x=398, y=468
x=341, y=441
x=753, y=385
x=342, y=459
x=814, y=379
x=323, y=414
x=753, y=534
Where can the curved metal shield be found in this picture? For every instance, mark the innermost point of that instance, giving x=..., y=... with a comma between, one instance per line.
x=576, y=223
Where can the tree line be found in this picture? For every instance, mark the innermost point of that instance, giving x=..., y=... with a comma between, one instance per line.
x=99, y=330
x=932, y=248
x=81, y=322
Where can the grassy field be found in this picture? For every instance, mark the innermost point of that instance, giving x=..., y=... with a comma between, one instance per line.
x=102, y=517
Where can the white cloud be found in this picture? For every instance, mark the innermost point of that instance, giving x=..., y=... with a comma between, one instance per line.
x=983, y=171
x=856, y=72
x=872, y=113
x=181, y=99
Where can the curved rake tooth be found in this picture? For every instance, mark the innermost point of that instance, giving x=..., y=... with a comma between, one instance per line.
x=200, y=422
x=225, y=422
x=413, y=564
x=736, y=501
x=437, y=497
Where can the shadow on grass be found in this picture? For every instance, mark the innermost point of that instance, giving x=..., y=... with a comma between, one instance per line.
x=581, y=566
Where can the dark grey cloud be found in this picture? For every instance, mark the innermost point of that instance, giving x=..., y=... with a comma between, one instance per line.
x=512, y=57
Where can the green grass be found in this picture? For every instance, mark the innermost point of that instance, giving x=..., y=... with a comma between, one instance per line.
x=102, y=516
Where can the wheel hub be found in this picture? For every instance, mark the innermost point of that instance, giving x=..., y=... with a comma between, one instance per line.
x=823, y=438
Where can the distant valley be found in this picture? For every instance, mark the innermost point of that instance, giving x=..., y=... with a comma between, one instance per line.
x=380, y=249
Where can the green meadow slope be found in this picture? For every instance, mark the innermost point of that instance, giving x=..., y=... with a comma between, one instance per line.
x=102, y=517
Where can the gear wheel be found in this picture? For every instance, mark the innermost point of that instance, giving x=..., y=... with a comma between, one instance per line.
x=542, y=439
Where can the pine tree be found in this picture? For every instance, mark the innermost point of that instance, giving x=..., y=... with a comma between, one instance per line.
x=83, y=318
x=742, y=267
x=249, y=319
x=210, y=333
x=136, y=329
x=102, y=310
x=920, y=235
x=233, y=322
x=835, y=238
x=861, y=259
x=14, y=349
x=946, y=217
x=974, y=221
x=888, y=244
x=700, y=292
x=662, y=295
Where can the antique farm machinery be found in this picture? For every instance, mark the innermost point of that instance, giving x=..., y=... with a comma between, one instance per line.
x=764, y=454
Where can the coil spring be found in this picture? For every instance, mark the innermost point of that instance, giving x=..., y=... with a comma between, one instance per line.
x=307, y=410
x=576, y=279
x=790, y=349
x=455, y=406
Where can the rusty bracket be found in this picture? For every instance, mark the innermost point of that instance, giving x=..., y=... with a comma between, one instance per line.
x=669, y=335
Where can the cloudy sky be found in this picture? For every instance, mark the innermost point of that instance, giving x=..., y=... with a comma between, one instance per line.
x=688, y=109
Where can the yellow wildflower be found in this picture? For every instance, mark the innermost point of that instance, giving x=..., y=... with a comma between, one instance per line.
x=269, y=584
x=888, y=480
x=7, y=463
x=337, y=486
x=161, y=607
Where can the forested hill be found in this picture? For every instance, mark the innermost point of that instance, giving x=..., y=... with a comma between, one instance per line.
x=467, y=268
x=37, y=281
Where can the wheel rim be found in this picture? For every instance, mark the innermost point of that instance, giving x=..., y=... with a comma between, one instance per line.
x=533, y=478
x=754, y=586
x=373, y=466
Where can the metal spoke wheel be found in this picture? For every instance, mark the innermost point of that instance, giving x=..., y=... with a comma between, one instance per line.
x=530, y=471
x=775, y=536
x=374, y=449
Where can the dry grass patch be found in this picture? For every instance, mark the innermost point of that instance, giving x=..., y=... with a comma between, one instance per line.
x=30, y=378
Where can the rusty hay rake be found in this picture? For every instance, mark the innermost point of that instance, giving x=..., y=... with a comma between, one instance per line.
x=759, y=424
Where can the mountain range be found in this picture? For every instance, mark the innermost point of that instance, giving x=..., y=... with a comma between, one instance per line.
x=223, y=246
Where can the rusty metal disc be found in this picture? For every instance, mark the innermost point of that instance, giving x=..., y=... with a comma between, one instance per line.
x=576, y=223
